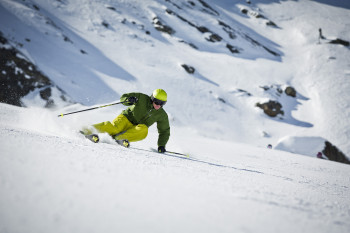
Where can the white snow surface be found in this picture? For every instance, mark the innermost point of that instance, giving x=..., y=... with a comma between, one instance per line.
x=54, y=180
x=61, y=182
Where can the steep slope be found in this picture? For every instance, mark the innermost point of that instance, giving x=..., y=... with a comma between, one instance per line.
x=237, y=54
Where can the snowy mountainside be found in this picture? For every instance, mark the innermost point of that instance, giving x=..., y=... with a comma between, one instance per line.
x=53, y=180
x=216, y=60
x=95, y=51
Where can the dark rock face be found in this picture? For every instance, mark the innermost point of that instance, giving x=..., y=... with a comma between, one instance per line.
x=334, y=154
x=340, y=41
x=19, y=77
x=189, y=69
x=290, y=91
x=211, y=35
x=271, y=108
x=162, y=27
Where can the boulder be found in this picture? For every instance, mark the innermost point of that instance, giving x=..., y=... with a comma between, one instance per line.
x=271, y=108
x=290, y=91
x=189, y=69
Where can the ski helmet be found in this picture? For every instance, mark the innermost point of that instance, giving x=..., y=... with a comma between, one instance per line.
x=159, y=97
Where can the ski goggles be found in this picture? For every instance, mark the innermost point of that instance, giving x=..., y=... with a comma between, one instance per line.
x=159, y=102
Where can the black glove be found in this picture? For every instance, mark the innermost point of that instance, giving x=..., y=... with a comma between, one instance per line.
x=132, y=100
x=161, y=149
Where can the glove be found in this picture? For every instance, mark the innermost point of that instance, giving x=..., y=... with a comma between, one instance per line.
x=132, y=100
x=161, y=149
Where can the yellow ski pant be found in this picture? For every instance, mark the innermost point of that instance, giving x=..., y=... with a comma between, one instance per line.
x=123, y=128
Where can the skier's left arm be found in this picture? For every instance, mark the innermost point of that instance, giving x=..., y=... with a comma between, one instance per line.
x=163, y=131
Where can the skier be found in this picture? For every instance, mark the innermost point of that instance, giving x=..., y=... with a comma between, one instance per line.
x=132, y=124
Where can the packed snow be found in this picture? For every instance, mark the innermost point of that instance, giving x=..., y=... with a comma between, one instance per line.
x=54, y=180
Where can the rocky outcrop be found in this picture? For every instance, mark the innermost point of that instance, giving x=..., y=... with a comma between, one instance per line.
x=162, y=27
x=334, y=154
x=19, y=77
x=340, y=41
x=271, y=108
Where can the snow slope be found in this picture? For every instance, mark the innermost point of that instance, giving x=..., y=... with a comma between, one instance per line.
x=61, y=183
x=53, y=180
x=96, y=51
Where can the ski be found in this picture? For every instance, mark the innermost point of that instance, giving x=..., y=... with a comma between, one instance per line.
x=123, y=142
x=95, y=139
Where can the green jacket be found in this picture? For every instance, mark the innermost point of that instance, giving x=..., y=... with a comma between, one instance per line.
x=143, y=113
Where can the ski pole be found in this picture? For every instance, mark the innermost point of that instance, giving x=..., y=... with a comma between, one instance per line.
x=61, y=115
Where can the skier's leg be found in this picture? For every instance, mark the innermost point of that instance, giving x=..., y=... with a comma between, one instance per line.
x=106, y=127
x=119, y=124
x=134, y=133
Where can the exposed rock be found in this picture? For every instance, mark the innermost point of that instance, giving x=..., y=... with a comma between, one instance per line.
x=202, y=29
x=174, y=4
x=232, y=48
x=290, y=91
x=189, y=69
x=105, y=24
x=111, y=8
x=272, y=52
x=340, y=41
x=259, y=16
x=192, y=3
x=231, y=33
x=190, y=44
x=210, y=9
x=19, y=77
x=244, y=92
x=271, y=24
x=222, y=100
x=66, y=39
x=214, y=38
x=36, y=7
x=273, y=89
x=334, y=154
x=244, y=11
x=160, y=26
x=271, y=108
